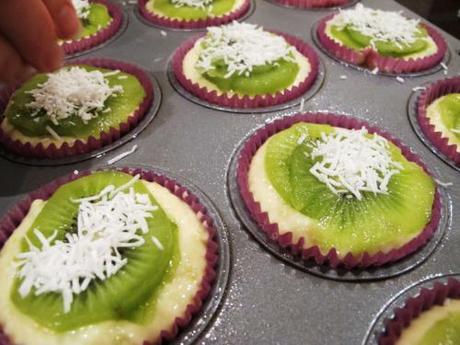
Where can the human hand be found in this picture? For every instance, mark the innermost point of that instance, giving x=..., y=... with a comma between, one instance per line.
x=29, y=32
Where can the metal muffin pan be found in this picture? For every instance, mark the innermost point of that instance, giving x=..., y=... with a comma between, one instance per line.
x=267, y=301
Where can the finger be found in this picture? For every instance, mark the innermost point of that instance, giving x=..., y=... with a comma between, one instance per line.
x=12, y=68
x=64, y=17
x=29, y=28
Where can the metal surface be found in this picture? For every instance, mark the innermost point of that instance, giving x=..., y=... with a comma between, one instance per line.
x=267, y=302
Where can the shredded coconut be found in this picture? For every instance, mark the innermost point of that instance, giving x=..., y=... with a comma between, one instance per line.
x=241, y=47
x=114, y=219
x=122, y=155
x=82, y=7
x=202, y=4
x=380, y=25
x=72, y=91
x=157, y=243
x=350, y=162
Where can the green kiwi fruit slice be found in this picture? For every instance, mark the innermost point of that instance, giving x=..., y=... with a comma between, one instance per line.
x=449, y=106
x=357, y=37
x=443, y=332
x=343, y=36
x=218, y=8
x=354, y=39
x=127, y=295
x=347, y=224
x=120, y=107
x=266, y=79
x=98, y=18
x=400, y=50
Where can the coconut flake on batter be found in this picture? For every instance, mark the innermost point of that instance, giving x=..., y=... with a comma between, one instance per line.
x=115, y=218
x=388, y=26
x=352, y=161
x=241, y=47
x=82, y=8
x=72, y=91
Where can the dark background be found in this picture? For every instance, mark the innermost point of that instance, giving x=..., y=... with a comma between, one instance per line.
x=443, y=13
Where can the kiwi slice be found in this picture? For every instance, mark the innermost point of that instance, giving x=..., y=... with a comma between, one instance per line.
x=444, y=332
x=357, y=37
x=449, y=106
x=400, y=50
x=120, y=107
x=167, y=8
x=266, y=79
x=347, y=224
x=125, y=295
x=98, y=19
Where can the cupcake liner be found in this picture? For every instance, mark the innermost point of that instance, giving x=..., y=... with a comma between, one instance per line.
x=371, y=59
x=285, y=240
x=433, y=92
x=414, y=306
x=245, y=102
x=15, y=216
x=340, y=51
x=156, y=19
x=313, y=3
x=80, y=45
x=79, y=147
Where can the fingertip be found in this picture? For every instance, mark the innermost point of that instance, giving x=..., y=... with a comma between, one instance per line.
x=51, y=59
x=25, y=73
x=67, y=21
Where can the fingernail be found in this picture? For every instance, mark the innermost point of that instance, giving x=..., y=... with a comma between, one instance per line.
x=28, y=72
x=69, y=24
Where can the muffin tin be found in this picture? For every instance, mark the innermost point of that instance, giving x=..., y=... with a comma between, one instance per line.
x=266, y=301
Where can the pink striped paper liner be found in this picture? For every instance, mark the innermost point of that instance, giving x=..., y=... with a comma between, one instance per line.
x=15, y=216
x=236, y=101
x=428, y=96
x=298, y=248
x=92, y=143
x=313, y=3
x=425, y=299
x=86, y=43
x=159, y=20
x=370, y=58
